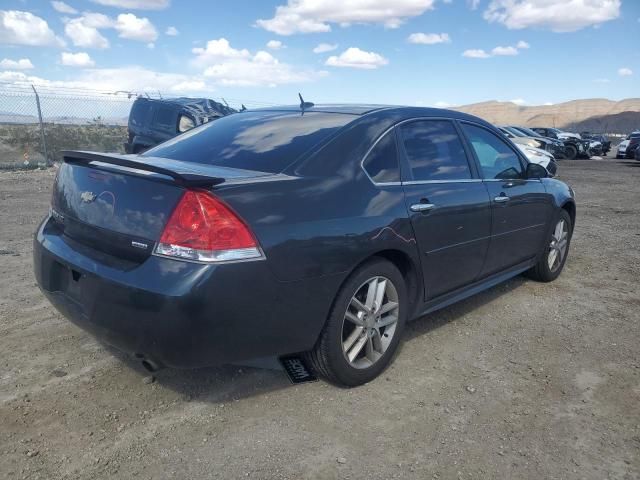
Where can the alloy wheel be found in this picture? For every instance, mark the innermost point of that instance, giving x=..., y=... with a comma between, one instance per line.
x=370, y=322
x=558, y=245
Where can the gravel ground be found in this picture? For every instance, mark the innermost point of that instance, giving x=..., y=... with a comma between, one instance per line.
x=526, y=380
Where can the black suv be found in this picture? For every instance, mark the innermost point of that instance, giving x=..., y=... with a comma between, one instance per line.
x=153, y=121
x=573, y=147
x=603, y=139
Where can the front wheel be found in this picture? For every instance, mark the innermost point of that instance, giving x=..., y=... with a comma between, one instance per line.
x=552, y=260
x=364, y=325
x=571, y=152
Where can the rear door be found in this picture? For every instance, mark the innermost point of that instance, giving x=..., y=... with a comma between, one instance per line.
x=521, y=207
x=447, y=204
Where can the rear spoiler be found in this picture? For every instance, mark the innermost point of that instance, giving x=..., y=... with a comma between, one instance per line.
x=179, y=171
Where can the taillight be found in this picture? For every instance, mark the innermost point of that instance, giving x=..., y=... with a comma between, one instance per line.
x=203, y=229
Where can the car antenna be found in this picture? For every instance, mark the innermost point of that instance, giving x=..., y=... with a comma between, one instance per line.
x=304, y=105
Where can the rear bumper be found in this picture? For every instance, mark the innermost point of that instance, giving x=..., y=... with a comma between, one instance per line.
x=181, y=314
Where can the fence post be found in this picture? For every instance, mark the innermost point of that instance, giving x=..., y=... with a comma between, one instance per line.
x=42, y=136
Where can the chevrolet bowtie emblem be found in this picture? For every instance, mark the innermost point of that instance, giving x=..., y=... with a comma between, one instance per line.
x=87, y=197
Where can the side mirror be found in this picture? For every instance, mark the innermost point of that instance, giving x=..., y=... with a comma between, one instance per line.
x=535, y=170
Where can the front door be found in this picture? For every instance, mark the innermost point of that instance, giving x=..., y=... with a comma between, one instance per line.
x=520, y=207
x=449, y=208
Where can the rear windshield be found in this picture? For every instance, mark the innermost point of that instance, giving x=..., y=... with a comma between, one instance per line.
x=263, y=141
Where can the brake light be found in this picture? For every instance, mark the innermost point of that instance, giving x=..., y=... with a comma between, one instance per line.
x=203, y=229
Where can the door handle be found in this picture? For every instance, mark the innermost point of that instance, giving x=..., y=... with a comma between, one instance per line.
x=421, y=207
x=501, y=199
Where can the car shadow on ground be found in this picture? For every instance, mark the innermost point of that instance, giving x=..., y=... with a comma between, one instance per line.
x=630, y=163
x=232, y=382
x=425, y=324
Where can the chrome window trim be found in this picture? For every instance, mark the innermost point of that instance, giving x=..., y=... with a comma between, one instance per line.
x=410, y=182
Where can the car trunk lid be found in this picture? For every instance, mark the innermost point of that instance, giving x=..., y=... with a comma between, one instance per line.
x=119, y=204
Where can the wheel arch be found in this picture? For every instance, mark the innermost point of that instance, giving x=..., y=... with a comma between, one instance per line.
x=570, y=208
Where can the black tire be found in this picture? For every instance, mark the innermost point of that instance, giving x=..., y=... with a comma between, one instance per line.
x=541, y=271
x=571, y=152
x=327, y=357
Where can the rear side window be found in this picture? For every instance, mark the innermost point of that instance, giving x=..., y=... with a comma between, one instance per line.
x=382, y=161
x=139, y=113
x=434, y=150
x=165, y=118
x=267, y=141
x=497, y=159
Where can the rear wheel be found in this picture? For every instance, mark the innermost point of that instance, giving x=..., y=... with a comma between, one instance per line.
x=552, y=260
x=364, y=326
x=571, y=152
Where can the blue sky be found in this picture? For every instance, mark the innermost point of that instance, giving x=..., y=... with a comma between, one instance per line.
x=421, y=52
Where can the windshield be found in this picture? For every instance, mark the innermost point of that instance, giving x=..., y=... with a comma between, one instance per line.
x=266, y=141
x=528, y=131
x=515, y=131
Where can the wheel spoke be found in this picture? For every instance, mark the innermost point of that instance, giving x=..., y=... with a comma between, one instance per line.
x=381, y=288
x=370, y=352
x=559, y=228
x=371, y=294
x=387, y=307
x=357, y=348
x=386, y=321
x=358, y=305
x=354, y=318
x=351, y=339
x=552, y=258
x=377, y=341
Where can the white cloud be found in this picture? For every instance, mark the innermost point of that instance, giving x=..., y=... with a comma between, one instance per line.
x=355, y=58
x=172, y=32
x=151, y=45
x=133, y=79
x=442, y=104
x=473, y=4
x=559, y=16
x=226, y=65
x=63, y=7
x=21, y=64
x=312, y=16
x=475, y=53
x=274, y=44
x=135, y=4
x=504, y=51
x=625, y=72
x=134, y=28
x=80, y=59
x=325, y=47
x=519, y=101
x=24, y=28
x=496, y=51
x=83, y=31
x=429, y=38
x=548, y=104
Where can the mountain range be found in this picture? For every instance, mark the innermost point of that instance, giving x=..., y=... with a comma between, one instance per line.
x=597, y=115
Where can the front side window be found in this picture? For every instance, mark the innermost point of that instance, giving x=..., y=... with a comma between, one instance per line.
x=497, y=159
x=434, y=150
x=382, y=161
x=165, y=117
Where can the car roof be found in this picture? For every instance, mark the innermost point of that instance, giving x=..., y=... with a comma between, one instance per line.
x=398, y=111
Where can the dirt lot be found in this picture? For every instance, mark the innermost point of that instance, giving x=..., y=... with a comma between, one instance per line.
x=527, y=380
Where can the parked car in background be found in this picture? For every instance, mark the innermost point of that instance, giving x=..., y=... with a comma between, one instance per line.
x=541, y=157
x=632, y=146
x=624, y=145
x=152, y=121
x=574, y=146
x=551, y=145
x=602, y=139
x=269, y=233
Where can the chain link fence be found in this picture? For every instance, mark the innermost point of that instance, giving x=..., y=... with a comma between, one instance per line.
x=38, y=122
